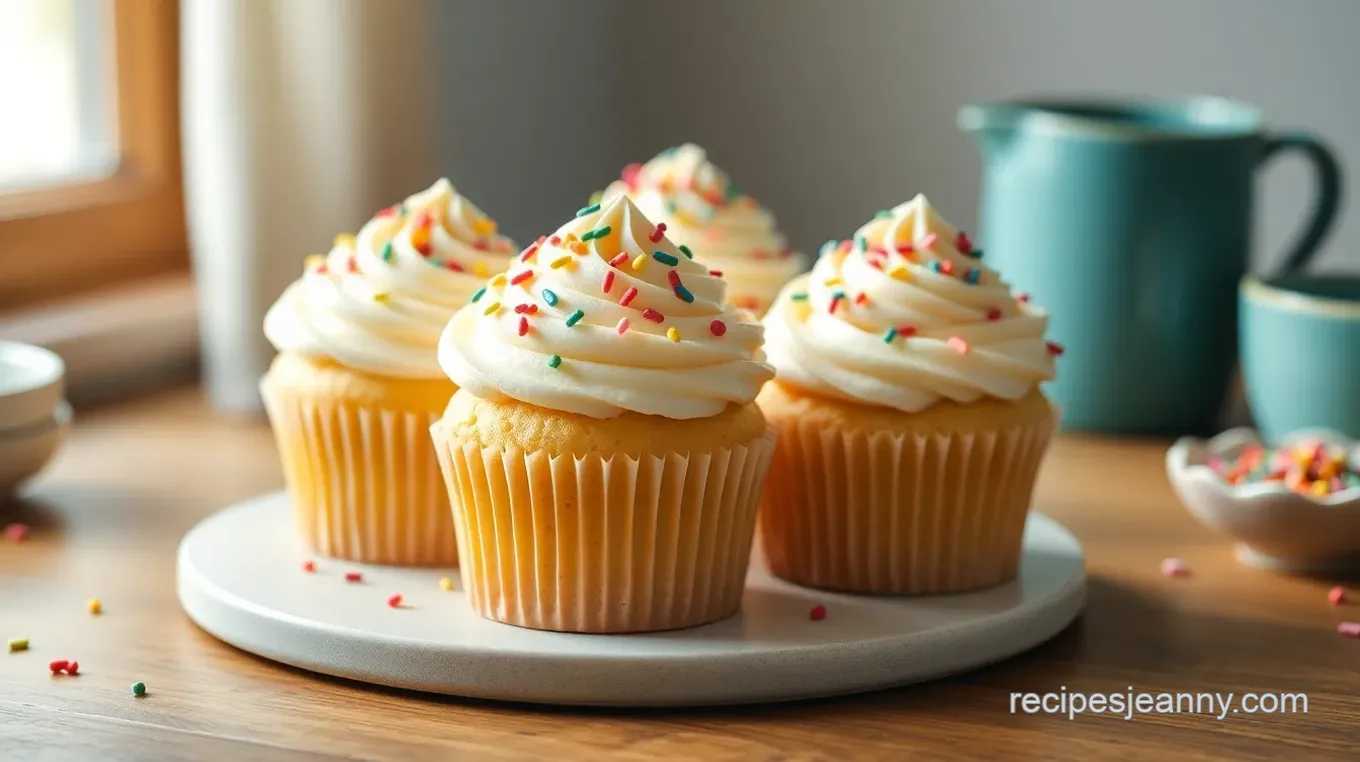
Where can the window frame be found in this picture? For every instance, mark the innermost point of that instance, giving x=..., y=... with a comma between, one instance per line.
x=70, y=239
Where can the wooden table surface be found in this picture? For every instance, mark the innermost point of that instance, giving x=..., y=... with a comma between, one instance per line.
x=136, y=475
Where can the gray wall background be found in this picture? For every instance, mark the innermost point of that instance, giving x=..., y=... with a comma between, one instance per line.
x=831, y=109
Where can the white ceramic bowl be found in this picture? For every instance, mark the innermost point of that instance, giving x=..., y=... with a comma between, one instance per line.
x=32, y=385
x=1275, y=527
x=25, y=452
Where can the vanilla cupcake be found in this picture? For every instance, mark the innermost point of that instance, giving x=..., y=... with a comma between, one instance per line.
x=604, y=452
x=702, y=210
x=908, y=411
x=356, y=384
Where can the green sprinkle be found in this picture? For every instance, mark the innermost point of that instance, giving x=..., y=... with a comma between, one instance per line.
x=802, y=297
x=684, y=294
x=828, y=247
x=685, y=250
x=665, y=259
x=478, y=294
x=401, y=208
x=889, y=335
x=733, y=193
x=591, y=235
x=838, y=295
x=139, y=689
x=883, y=214
x=18, y=644
x=583, y=211
x=575, y=317
x=862, y=243
x=975, y=253
x=550, y=298
x=387, y=252
x=554, y=361
x=671, y=207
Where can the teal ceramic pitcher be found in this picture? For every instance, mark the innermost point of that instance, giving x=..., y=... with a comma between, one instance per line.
x=1131, y=224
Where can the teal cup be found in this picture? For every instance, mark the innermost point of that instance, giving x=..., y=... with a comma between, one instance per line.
x=1131, y=224
x=1300, y=345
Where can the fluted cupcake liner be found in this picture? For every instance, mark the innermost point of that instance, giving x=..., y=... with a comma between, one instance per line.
x=898, y=513
x=365, y=482
x=603, y=545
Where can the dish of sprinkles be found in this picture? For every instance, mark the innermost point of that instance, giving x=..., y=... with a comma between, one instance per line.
x=1308, y=468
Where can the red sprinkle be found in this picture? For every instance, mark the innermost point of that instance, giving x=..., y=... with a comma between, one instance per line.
x=423, y=249
x=619, y=259
x=353, y=265
x=835, y=302
x=718, y=328
x=658, y=232
x=928, y=241
x=523, y=325
x=1349, y=629
x=946, y=266
x=16, y=532
x=608, y=281
x=906, y=330
x=964, y=243
x=519, y=278
x=1054, y=348
x=454, y=266
x=818, y=613
x=526, y=309
x=715, y=273
x=309, y=566
x=623, y=325
x=994, y=313
x=1174, y=567
x=528, y=253
x=555, y=240
x=59, y=665
x=653, y=315
x=1336, y=596
x=395, y=601
x=73, y=668
x=354, y=577
x=388, y=212
x=479, y=245
x=905, y=248
x=958, y=345
x=628, y=296
x=674, y=278
x=1022, y=297
x=861, y=298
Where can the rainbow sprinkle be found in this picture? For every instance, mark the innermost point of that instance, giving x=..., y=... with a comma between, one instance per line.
x=560, y=262
x=550, y=298
x=387, y=252
x=883, y=214
x=478, y=294
x=619, y=259
x=889, y=335
x=1054, y=348
x=836, y=298
x=576, y=247
x=900, y=273
x=927, y=242
x=492, y=308
x=591, y=235
x=958, y=345
x=862, y=243
x=684, y=294
x=994, y=313
x=799, y=297
x=521, y=277
x=685, y=250
x=523, y=324
x=657, y=232
x=381, y=297
x=653, y=315
x=639, y=261
x=608, y=281
x=554, y=361
x=622, y=326
x=575, y=318
x=1308, y=468
x=526, y=309
x=583, y=211
x=717, y=328
x=479, y=269
x=973, y=276
x=484, y=227
x=628, y=296
x=672, y=334
x=834, y=281
x=497, y=281
x=665, y=259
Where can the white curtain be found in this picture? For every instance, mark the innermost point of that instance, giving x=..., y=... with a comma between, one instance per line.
x=300, y=119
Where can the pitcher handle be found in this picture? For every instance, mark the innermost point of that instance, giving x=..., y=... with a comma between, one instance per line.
x=1328, y=202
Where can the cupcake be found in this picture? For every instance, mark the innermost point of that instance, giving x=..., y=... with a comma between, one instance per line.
x=356, y=384
x=604, y=452
x=703, y=210
x=908, y=413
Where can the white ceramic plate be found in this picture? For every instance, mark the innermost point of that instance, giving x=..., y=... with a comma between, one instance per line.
x=240, y=578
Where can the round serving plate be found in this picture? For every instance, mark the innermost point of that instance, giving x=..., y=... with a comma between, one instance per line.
x=240, y=577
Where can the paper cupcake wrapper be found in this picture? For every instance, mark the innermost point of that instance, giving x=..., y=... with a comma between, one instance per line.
x=899, y=513
x=601, y=545
x=365, y=482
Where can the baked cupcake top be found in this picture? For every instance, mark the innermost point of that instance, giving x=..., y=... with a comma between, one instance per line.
x=378, y=300
x=603, y=317
x=906, y=315
x=701, y=208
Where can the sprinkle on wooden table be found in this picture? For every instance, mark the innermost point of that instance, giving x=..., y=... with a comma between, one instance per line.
x=445, y=583
x=73, y=668
x=394, y=602
x=354, y=577
x=818, y=613
x=1174, y=568
x=18, y=644
x=1336, y=596
x=139, y=689
x=58, y=666
x=94, y=606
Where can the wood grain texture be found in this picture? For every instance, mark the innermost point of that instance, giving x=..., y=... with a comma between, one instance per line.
x=135, y=476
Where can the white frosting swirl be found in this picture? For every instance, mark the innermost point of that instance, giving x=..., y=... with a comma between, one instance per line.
x=704, y=210
x=378, y=301
x=607, y=316
x=907, y=315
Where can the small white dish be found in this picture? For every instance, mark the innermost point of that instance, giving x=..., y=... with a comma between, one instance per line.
x=32, y=385
x=26, y=451
x=1275, y=527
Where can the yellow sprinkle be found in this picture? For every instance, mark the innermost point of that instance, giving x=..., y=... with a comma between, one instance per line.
x=491, y=308
x=560, y=262
x=380, y=297
x=445, y=583
x=1319, y=488
x=314, y=262
x=672, y=334
x=479, y=269
x=497, y=281
x=484, y=227
x=899, y=273
x=577, y=247
x=569, y=238
x=344, y=239
x=639, y=261
x=684, y=219
x=836, y=281
x=596, y=198
x=94, y=606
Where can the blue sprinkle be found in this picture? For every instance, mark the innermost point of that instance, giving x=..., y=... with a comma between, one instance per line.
x=665, y=259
